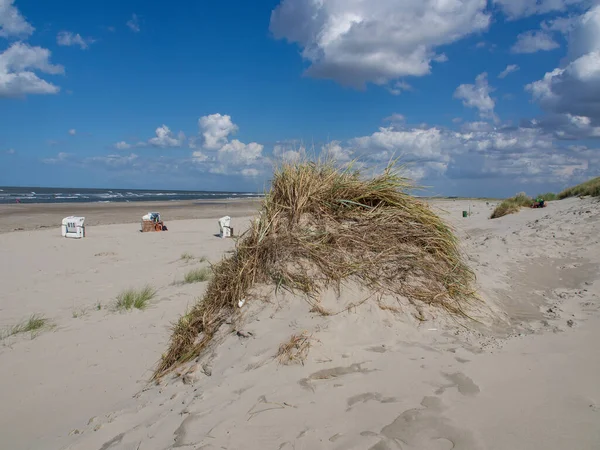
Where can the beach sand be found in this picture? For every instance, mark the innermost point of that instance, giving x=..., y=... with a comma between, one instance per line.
x=527, y=378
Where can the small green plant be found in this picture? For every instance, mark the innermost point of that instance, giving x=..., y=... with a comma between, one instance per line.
x=77, y=313
x=132, y=298
x=187, y=257
x=34, y=325
x=98, y=306
x=198, y=275
x=512, y=205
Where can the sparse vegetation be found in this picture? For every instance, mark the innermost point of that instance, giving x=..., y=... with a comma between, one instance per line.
x=590, y=187
x=548, y=196
x=320, y=226
x=295, y=350
x=512, y=205
x=187, y=257
x=132, y=298
x=198, y=275
x=34, y=325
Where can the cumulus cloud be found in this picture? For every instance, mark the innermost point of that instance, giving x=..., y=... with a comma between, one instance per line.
x=399, y=87
x=72, y=131
x=222, y=156
x=516, y=9
x=67, y=38
x=534, y=41
x=215, y=130
x=291, y=151
x=360, y=41
x=134, y=23
x=165, y=138
x=478, y=96
x=509, y=69
x=12, y=23
x=574, y=88
x=17, y=64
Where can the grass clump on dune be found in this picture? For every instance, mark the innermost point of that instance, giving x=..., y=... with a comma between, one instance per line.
x=34, y=325
x=132, y=298
x=548, y=196
x=198, y=275
x=590, y=187
x=320, y=226
x=512, y=205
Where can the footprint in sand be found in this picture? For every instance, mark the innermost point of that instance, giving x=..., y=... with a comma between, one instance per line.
x=425, y=428
x=463, y=383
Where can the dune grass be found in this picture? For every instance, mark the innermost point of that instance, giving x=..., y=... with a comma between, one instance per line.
x=35, y=324
x=132, y=298
x=187, y=257
x=198, y=275
x=590, y=187
x=548, y=196
x=320, y=226
x=295, y=350
x=512, y=205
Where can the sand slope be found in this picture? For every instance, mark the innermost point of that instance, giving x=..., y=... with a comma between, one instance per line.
x=373, y=378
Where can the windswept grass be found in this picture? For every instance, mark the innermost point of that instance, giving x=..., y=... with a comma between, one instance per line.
x=320, y=226
x=590, y=187
x=187, y=257
x=548, y=196
x=198, y=275
x=132, y=298
x=34, y=325
x=512, y=205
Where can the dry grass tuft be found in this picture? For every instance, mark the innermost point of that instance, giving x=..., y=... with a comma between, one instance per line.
x=320, y=226
x=295, y=350
x=132, y=298
x=512, y=205
x=590, y=187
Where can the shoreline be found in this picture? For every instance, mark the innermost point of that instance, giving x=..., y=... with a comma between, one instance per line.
x=35, y=216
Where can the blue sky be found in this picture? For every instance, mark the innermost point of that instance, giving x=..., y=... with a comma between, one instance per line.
x=477, y=97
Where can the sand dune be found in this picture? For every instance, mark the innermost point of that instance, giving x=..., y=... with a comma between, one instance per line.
x=523, y=378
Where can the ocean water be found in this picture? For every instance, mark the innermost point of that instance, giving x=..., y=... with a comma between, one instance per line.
x=76, y=195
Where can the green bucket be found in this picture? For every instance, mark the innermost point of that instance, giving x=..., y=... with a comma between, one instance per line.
x=465, y=214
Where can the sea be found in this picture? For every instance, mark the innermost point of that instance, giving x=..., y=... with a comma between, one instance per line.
x=10, y=194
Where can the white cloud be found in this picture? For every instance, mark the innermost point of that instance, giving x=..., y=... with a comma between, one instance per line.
x=360, y=41
x=399, y=87
x=15, y=78
x=200, y=157
x=236, y=153
x=337, y=152
x=165, y=138
x=560, y=24
x=134, y=23
x=575, y=88
x=215, y=130
x=515, y=9
x=66, y=38
x=112, y=161
x=395, y=118
x=12, y=23
x=289, y=151
x=478, y=96
x=509, y=69
x=122, y=145
x=59, y=158
x=534, y=41
x=72, y=131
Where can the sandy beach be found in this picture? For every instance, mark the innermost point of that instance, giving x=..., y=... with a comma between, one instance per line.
x=526, y=377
